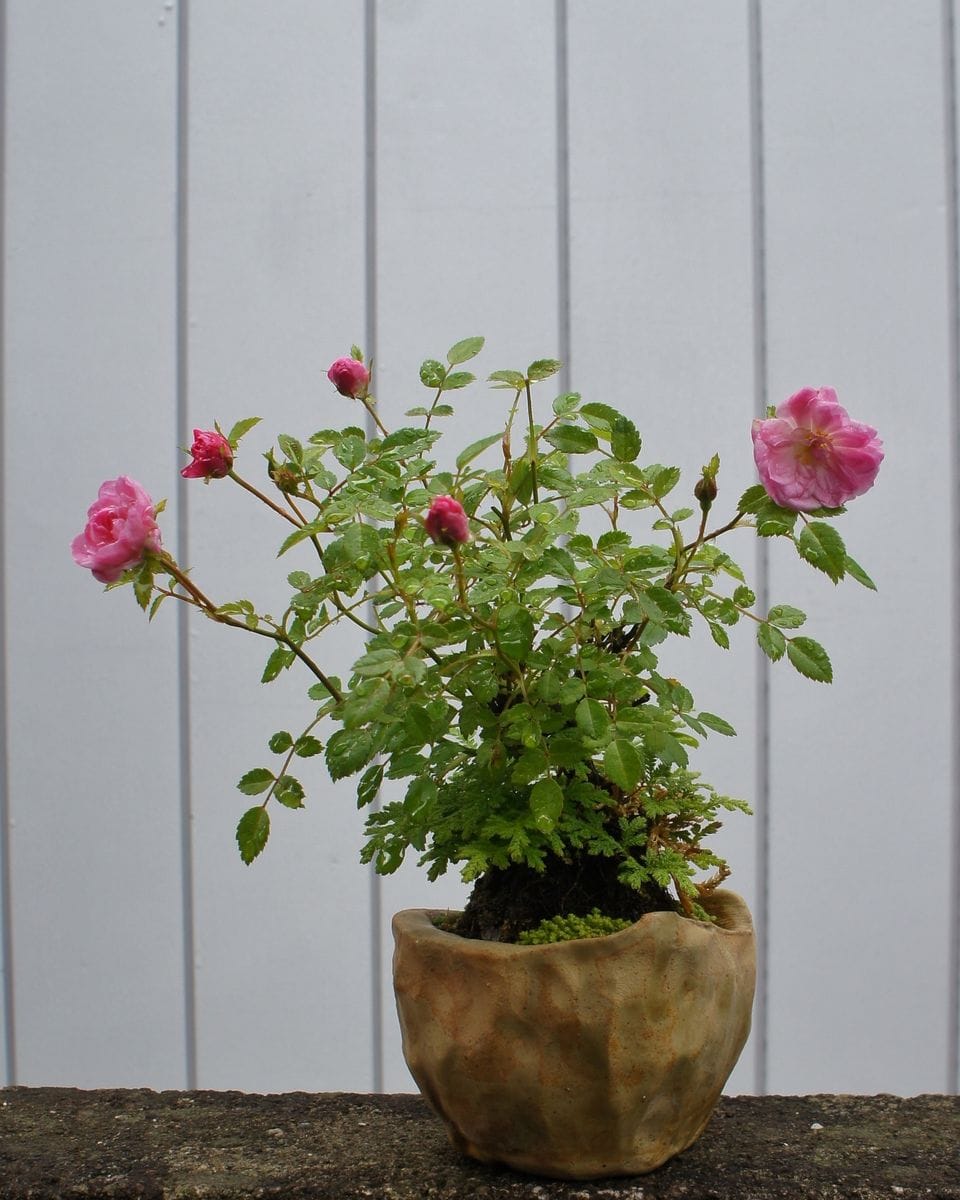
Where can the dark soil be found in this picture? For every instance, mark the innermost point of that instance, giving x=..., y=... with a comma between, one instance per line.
x=505, y=902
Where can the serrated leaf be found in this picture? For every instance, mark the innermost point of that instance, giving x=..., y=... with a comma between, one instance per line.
x=529, y=766
x=719, y=635
x=256, y=781
x=240, y=428
x=810, y=659
x=744, y=596
x=622, y=764
x=289, y=792
x=625, y=440
x=771, y=641
x=546, y=803
x=280, y=742
x=571, y=439
x=664, y=480
x=464, y=350
x=307, y=746
x=855, y=571
x=457, y=379
x=564, y=405
x=279, y=660
x=820, y=545
x=347, y=751
x=786, y=617
x=432, y=373
x=515, y=632
x=252, y=833
x=543, y=368
x=350, y=452
x=475, y=449
x=508, y=378
x=717, y=724
x=365, y=702
x=592, y=718
x=369, y=785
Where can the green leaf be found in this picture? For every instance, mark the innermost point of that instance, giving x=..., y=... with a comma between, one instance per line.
x=475, y=449
x=786, y=617
x=378, y=662
x=289, y=792
x=241, y=427
x=717, y=724
x=252, y=833
x=515, y=632
x=744, y=596
x=464, y=350
x=564, y=405
x=664, y=480
x=307, y=746
x=279, y=660
x=529, y=766
x=511, y=379
x=625, y=440
x=546, y=803
x=855, y=571
x=543, y=368
x=348, y=750
x=719, y=635
x=771, y=641
x=810, y=659
x=622, y=764
x=256, y=781
x=592, y=718
x=369, y=785
x=280, y=742
x=571, y=439
x=458, y=379
x=821, y=546
x=366, y=702
x=432, y=373
x=350, y=452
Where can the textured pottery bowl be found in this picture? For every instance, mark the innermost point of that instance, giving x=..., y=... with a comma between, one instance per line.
x=581, y=1059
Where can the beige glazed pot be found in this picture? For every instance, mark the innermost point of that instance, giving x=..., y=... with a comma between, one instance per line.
x=581, y=1059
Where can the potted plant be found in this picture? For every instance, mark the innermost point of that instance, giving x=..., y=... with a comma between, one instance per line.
x=582, y=1014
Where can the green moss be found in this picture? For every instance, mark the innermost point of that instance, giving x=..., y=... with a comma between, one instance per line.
x=566, y=929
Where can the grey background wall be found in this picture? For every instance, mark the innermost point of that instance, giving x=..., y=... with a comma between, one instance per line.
x=699, y=207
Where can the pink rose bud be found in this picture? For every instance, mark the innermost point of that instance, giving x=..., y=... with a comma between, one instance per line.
x=812, y=455
x=446, y=521
x=121, y=529
x=212, y=456
x=349, y=377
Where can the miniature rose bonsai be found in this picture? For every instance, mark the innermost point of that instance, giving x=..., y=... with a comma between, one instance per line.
x=516, y=667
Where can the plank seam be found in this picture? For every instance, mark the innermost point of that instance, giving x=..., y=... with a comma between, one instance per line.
x=760, y=369
x=181, y=339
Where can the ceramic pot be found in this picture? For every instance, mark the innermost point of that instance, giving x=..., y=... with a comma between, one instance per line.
x=581, y=1059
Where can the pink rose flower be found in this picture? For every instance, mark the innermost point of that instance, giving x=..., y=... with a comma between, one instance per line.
x=446, y=521
x=349, y=377
x=212, y=456
x=121, y=528
x=812, y=455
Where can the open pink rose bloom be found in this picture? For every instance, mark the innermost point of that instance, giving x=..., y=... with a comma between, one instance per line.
x=121, y=528
x=446, y=521
x=812, y=455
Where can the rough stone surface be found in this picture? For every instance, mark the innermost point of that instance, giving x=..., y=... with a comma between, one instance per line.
x=58, y=1142
x=581, y=1059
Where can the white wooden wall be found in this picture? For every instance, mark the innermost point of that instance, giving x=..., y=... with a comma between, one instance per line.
x=700, y=207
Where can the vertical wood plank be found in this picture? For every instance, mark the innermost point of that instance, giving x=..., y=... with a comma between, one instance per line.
x=275, y=294
x=661, y=321
x=89, y=395
x=466, y=245
x=861, y=784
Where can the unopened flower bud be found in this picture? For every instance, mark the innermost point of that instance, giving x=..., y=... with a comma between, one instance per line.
x=705, y=491
x=350, y=377
x=212, y=456
x=446, y=522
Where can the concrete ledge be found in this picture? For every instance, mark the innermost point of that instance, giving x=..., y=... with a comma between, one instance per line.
x=60, y=1142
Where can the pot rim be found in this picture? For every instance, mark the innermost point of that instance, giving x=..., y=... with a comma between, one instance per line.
x=729, y=907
